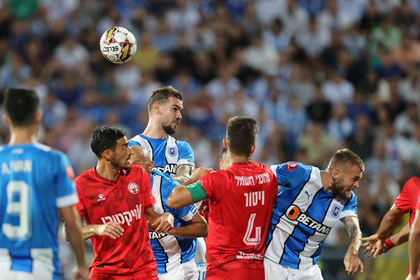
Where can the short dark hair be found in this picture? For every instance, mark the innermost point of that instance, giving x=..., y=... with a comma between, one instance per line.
x=241, y=134
x=105, y=138
x=21, y=106
x=348, y=158
x=161, y=95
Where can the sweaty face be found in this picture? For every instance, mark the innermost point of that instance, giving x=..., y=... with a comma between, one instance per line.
x=171, y=115
x=120, y=157
x=348, y=181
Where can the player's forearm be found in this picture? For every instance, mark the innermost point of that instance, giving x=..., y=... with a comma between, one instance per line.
x=151, y=219
x=89, y=231
x=414, y=249
x=191, y=231
x=74, y=234
x=183, y=173
x=180, y=178
x=401, y=236
x=389, y=222
x=354, y=234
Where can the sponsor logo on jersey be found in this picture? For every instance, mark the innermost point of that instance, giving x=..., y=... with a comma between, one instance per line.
x=247, y=256
x=154, y=235
x=295, y=214
x=291, y=166
x=125, y=217
x=168, y=168
x=101, y=197
x=336, y=211
x=133, y=188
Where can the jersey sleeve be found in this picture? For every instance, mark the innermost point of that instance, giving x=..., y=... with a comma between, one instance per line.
x=132, y=143
x=404, y=200
x=350, y=208
x=213, y=184
x=291, y=174
x=80, y=207
x=66, y=192
x=185, y=213
x=186, y=154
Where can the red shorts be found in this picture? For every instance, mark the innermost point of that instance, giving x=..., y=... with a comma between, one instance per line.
x=236, y=274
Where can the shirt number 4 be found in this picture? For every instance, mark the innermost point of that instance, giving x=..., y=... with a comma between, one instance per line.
x=256, y=240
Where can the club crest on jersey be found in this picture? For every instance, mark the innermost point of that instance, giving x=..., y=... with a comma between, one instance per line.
x=336, y=211
x=172, y=151
x=133, y=188
x=291, y=166
x=101, y=197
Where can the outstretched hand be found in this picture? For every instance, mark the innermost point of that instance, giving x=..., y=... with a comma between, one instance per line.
x=374, y=245
x=80, y=273
x=352, y=262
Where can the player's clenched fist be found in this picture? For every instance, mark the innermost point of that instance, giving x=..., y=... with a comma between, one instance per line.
x=164, y=223
x=110, y=229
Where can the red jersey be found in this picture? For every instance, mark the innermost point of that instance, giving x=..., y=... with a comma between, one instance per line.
x=407, y=200
x=241, y=200
x=123, y=200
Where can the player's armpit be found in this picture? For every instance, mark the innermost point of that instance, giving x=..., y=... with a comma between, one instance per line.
x=183, y=173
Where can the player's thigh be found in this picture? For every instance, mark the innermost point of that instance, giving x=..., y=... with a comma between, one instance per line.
x=274, y=270
x=237, y=274
x=185, y=271
x=278, y=271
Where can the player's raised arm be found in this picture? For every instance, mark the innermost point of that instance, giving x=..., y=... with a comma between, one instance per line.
x=352, y=261
x=73, y=229
x=189, y=192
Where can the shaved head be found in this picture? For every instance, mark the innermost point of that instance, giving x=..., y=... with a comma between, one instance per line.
x=141, y=156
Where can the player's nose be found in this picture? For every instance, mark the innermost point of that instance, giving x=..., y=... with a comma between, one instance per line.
x=129, y=151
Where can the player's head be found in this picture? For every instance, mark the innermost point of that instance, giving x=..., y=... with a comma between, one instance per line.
x=22, y=108
x=346, y=170
x=165, y=104
x=224, y=162
x=141, y=156
x=241, y=134
x=110, y=145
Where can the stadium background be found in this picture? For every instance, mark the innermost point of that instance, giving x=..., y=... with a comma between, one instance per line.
x=316, y=74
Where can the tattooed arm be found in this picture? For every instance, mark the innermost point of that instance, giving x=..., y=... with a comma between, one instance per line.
x=352, y=260
x=183, y=173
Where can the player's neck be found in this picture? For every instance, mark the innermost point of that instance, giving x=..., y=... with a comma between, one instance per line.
x=154, y=130
x=22, y=135
x=239, y=159
x=326, y=180
x=107, y=171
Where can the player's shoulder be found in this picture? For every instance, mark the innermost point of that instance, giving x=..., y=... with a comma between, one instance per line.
x=291, y=168
x=413, y=182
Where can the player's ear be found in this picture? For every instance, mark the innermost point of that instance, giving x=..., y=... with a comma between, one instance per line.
x=224, y=144
x=150, y=165
x=336, y=174
x=106, y=155
x=157, y=109
x=38, y=117
x=253, y=148
x=6, y=120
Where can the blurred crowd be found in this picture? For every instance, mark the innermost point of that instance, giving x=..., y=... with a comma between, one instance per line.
x=318, y=75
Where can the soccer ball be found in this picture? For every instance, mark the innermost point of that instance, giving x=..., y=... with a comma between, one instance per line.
x=118, y=45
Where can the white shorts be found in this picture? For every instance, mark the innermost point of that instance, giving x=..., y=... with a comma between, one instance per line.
x=19, y=275
x=278, y=271
x=184, y=271
x=200, y=258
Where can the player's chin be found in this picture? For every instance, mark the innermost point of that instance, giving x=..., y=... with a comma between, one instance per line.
x=127, y=165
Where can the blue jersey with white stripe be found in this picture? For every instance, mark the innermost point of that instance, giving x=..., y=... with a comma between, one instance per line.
x=167, y=153
x=34, y=184
x=170, y=251
x=303, y=216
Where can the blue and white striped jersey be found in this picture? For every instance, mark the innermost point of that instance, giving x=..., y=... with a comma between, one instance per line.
x=169, y=250
x=303, y=216
x=35, y=181
x=167, y=153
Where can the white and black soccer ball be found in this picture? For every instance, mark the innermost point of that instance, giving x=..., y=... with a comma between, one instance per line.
x=118, y=45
